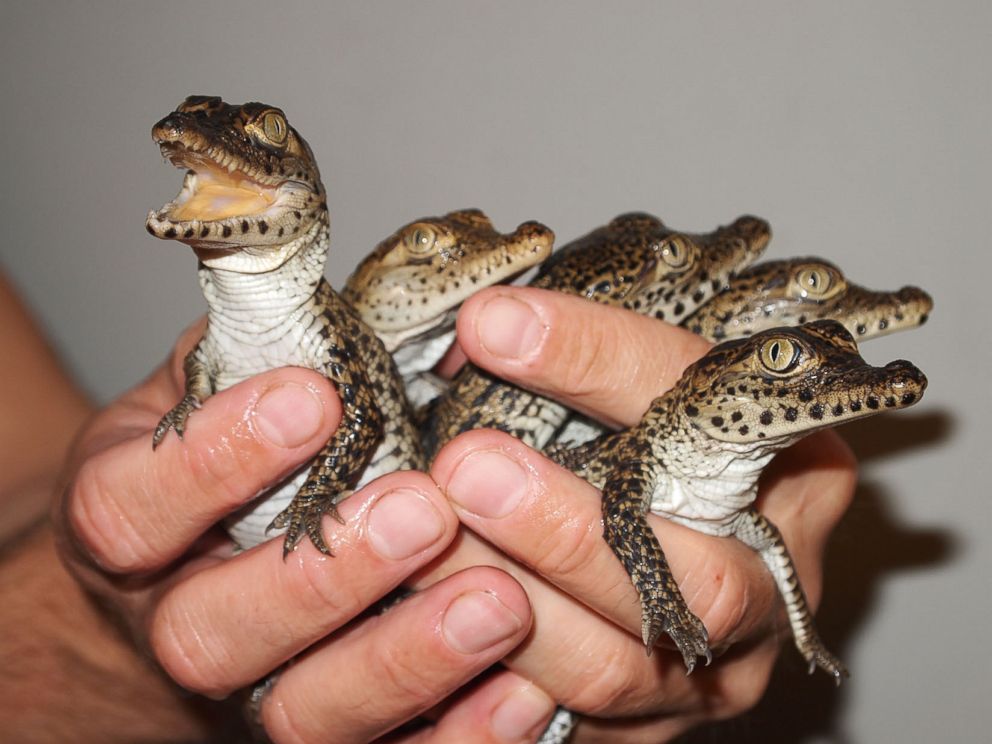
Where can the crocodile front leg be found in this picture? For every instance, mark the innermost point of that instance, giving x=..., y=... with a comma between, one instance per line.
x=198, y=388
x=759, y=534
x=585, y=459
x=341, y=462
x=626, y=496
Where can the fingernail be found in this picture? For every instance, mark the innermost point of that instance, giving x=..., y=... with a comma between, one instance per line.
x=488, y=483
x=520, y=713
x=289, y=415
x=402, y=523
x=509, y=328
x=476, y=621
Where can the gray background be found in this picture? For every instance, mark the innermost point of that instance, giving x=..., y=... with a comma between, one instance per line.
x=861, y=131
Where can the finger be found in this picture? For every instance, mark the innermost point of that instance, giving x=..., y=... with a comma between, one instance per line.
x=232, y=623
x=502, y=709
x=732, y=685
x=451, y=362
x=136, y=509
x=550, y=521
x=391, y=667
x=606, y=362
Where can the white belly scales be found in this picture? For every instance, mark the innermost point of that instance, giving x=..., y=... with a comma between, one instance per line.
x=246, y=352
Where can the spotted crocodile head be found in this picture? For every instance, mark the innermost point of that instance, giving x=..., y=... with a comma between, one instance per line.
x=417, y=278
x=799, y=290
x=251, y=180
x=637, y=262
x=781, y=384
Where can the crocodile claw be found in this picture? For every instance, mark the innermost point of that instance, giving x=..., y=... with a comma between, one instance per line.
x=817, y=656
x=686, y=631
x=304, y=516
x=175, y=419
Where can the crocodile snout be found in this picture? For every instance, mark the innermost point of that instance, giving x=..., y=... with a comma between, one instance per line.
x=538, y=237
x=170, y=129
x=906, y=382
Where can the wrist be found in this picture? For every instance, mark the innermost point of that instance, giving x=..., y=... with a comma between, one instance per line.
x=69, y=673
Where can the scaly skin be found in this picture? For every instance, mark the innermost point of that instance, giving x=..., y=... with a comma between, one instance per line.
x=409, y=289
x=635, y=262
x=800, y=290
x=254, y=210
x=697, y=453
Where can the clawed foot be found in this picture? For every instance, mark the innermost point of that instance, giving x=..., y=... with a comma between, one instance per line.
x=816, y=655
x=304, y=516
x=686, y=631
x=175, y=419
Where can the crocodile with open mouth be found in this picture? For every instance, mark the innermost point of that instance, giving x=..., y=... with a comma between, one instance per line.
x=253, y=209
x=697, y=453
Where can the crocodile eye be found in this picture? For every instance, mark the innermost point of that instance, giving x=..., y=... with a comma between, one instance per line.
x=274, y=127
x=818, y=282
x=421, y=239
x=676, y=252
x=779, y=355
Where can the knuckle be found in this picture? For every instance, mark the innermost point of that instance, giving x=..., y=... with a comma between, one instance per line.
x=217, y=471
x=728, y=599
x=612, y=677
x=587, y=368
x=403, y=673
x=322, y=592
x=568, y=550
x=180, y=645
x=103, y=525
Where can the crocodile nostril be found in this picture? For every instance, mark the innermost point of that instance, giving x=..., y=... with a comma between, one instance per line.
x=169, y=128
x=907, y=376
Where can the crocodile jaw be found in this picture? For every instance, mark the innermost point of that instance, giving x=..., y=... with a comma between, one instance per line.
x=220, y=211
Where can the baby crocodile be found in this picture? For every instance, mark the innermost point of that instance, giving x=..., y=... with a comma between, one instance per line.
x=635, y=262
x=696, y=455
x=253, y=208
x=409, y=289
x=798, y=290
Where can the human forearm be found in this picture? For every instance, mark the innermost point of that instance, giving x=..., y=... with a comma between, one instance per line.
x=42, y=409
x=68, y=675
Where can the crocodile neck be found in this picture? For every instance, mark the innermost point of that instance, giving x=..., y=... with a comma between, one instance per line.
x=259, y=320
x=702, y=481
x=258, y=302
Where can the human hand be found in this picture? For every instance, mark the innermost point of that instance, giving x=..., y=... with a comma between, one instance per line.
x=544, y=525
x=136, y=529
